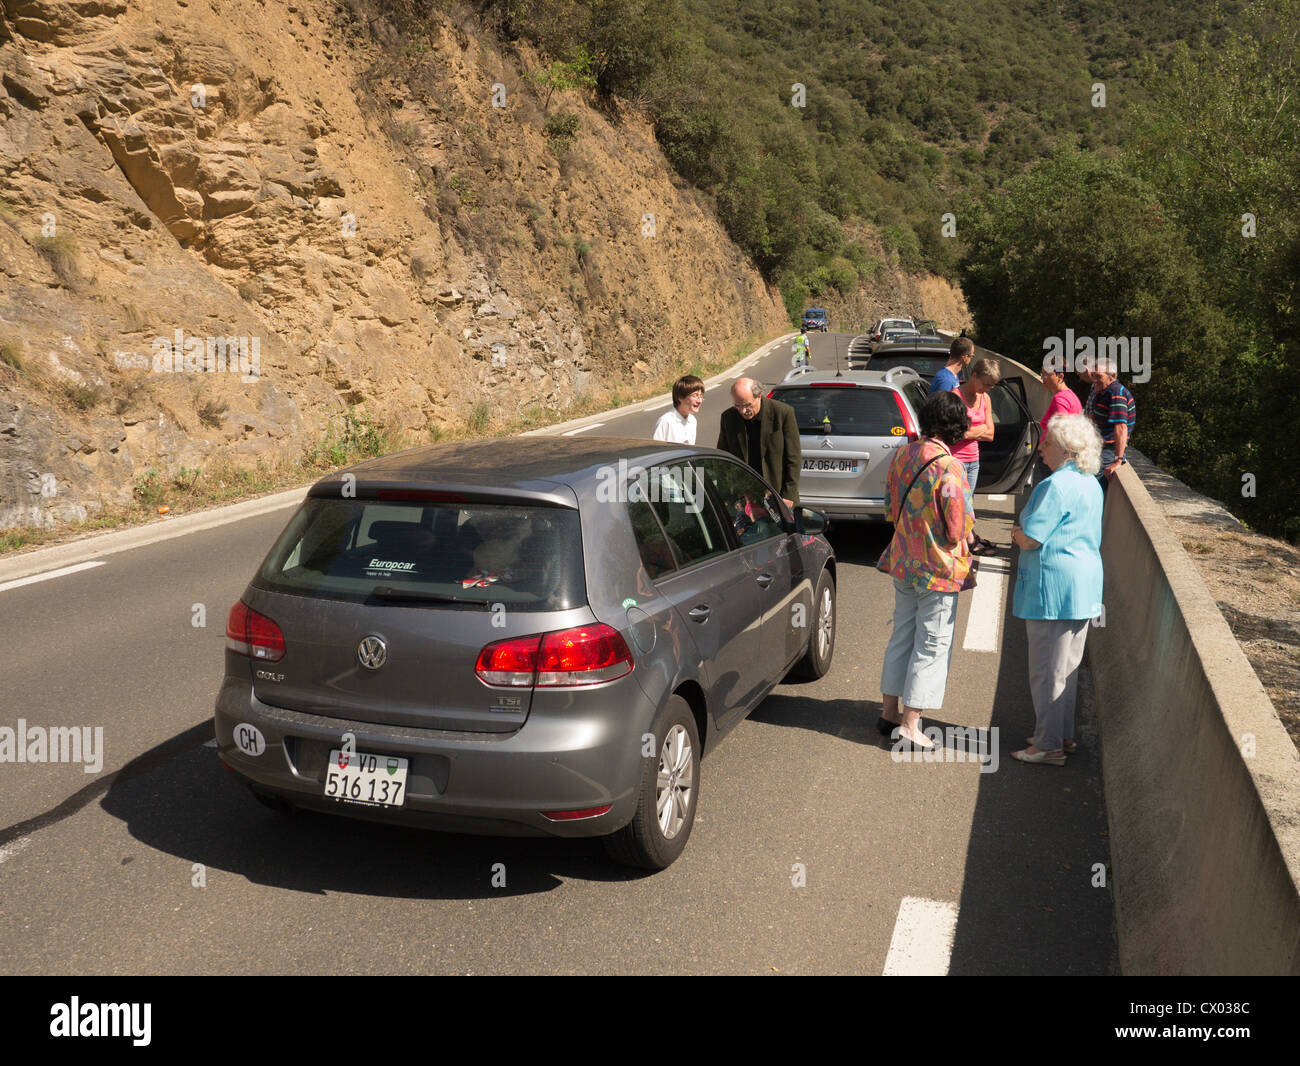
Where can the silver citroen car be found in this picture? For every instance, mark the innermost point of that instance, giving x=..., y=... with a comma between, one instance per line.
x=522, y=637
x=852, y=423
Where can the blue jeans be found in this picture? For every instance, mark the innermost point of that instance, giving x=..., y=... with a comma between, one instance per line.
x=972, y=476
x=1107, y=457
x=920, y=646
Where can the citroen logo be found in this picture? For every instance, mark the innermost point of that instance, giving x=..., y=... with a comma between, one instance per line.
x=827, y=442
x=372, y=653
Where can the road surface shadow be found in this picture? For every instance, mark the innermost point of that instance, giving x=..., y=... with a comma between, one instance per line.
x=1039, y=833
x=190, y=807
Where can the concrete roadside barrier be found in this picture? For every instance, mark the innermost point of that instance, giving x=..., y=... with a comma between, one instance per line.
x=1202, y=781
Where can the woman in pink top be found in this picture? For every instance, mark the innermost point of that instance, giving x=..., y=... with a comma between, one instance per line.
x=984, y=374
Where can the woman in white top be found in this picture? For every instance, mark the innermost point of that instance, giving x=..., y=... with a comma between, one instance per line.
x=678, y=425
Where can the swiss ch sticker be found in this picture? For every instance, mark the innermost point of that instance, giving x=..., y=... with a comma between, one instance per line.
x=249, y=739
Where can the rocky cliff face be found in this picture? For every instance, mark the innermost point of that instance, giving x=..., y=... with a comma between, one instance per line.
x=223, y=222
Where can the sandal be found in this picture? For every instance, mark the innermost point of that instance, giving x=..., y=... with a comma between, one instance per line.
x=1068, y=746
x=1041, y=758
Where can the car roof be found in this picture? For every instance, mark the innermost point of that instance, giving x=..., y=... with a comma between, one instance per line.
x=873, y=378
x=538, y=467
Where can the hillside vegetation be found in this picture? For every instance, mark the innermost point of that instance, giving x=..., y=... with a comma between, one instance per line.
x=1189, y=236
x=907, y=109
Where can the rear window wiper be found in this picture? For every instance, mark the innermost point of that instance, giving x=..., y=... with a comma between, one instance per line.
x=388, y=592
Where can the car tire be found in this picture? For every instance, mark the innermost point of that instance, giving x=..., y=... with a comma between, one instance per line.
x=821, y=641
x=656, y=836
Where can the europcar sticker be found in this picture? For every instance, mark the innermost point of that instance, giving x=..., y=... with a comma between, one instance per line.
x=388, y=566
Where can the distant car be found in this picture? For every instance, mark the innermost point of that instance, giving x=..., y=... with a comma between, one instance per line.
x=878, y=330
x=893, y=336
x=816, y=318
x=928, y=328
x=513, y=638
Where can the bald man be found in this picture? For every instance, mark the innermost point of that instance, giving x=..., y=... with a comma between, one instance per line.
x=764, y=434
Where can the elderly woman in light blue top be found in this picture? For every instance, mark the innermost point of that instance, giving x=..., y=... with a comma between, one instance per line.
x=1059, y=580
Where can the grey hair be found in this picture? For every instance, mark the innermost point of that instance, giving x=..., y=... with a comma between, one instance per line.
x=1078, y=438
x=1105, y=364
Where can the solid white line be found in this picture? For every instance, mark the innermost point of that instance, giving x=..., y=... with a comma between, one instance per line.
x=48, y=574
x=44, y=559
x=922, y=942
x=582, y=429
x=984, y=624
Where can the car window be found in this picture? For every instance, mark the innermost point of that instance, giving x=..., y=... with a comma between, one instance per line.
x=925, y=365
x=856, y=412
x=678, y=499
x=1004, y=407
x=656, y=552
x=527, y=556
x=917, y=392
x=750, y=506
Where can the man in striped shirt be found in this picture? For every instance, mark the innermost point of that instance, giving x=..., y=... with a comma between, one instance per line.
x=1114, y=413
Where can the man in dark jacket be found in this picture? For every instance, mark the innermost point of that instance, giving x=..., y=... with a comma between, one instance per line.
x=764, y=434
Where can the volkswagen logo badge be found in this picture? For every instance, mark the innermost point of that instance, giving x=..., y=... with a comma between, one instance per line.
x=372, y=652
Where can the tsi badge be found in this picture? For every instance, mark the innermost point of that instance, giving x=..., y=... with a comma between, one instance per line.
x=249, y=739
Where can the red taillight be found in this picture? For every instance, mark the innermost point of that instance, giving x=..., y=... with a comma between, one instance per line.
x=568, y=816
x=253, y=634
x=584, y=655
x=909, y=423
x=509, y=662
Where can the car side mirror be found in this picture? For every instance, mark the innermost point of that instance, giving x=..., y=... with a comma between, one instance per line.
x=811, y=522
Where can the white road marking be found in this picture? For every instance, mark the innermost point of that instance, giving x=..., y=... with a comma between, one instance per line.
x=13, y=849
x=48, y=574
x=210, y=743
x=922, y=942
x=581, y=429
x=984, y=624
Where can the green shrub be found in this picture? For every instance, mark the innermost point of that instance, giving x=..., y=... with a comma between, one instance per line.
x=561, y=130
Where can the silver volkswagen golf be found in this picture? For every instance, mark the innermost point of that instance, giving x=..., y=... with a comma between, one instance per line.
x=524, y=637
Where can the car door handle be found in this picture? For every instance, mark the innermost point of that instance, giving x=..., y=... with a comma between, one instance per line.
x=763, y=580
x=700, y=613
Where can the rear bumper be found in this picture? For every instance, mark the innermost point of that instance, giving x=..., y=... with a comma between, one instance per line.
x=480, y=783
x=847, y=509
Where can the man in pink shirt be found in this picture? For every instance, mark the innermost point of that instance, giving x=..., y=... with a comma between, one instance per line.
x=1063, y=402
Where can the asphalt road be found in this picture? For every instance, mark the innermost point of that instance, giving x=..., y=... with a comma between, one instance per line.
x=809, y=836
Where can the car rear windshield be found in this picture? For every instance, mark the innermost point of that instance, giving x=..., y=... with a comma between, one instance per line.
x=925, y=365
x=859, y=411
x=526, y=557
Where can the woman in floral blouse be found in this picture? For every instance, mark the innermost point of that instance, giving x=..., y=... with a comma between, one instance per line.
x=928, y=497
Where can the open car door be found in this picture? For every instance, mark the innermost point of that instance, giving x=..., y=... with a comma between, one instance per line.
x=1005, y=461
